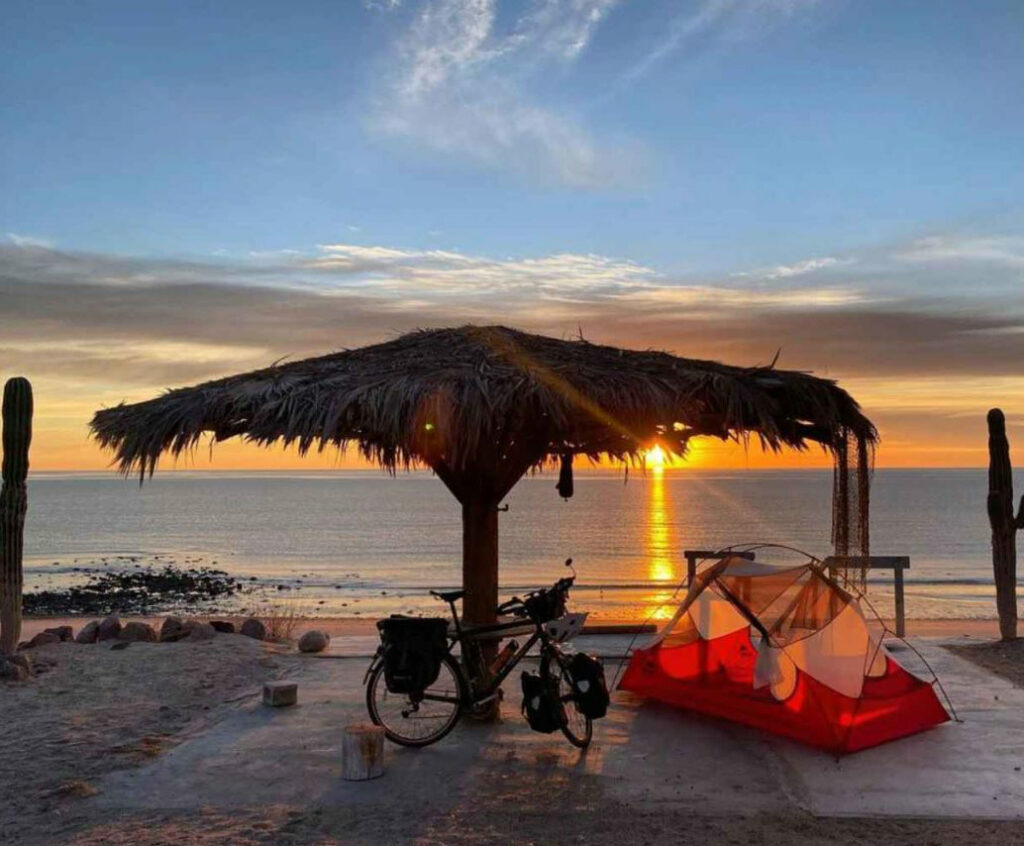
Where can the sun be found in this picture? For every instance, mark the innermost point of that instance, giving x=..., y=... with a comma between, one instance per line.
x=655, y=457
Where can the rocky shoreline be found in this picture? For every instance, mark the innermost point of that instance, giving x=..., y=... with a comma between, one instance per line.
x=116, y=635
x=143, y=590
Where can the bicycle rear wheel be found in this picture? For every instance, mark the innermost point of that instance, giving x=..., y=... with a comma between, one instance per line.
x=421, y=722
x=578, y=728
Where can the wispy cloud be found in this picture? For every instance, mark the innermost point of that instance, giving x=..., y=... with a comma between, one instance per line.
x=801, y=268
x=28, y=241
x=462, y=86
x=464, y=80
x=92, y=330
x=121, y=321
x=1006, y=250
x=709, y=23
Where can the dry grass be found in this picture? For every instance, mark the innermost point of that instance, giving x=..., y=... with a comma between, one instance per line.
x=281, y=620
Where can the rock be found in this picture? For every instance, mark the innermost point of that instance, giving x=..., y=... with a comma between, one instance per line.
x=314, y=641
x=200, y=631
x=137, y=632
x=121, y=644
x=22, y=661
x=9, y=671
x=173, y=629
x=88, y=633
x=223, y=626
x=65, y=633
x=254, y=628
x=42, y=639
x=280, y=694
x=110, y=628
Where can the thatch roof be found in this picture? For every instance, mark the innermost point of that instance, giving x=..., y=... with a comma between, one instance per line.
x=464, y=396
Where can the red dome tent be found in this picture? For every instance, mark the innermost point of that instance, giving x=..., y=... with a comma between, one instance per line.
x=787, y=650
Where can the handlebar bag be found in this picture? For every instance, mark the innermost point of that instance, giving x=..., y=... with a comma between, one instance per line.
x=545, y=605
x=590, y=690
x=542, y=706
x=413, y=649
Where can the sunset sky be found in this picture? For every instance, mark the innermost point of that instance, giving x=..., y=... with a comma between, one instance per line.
x=194, y=189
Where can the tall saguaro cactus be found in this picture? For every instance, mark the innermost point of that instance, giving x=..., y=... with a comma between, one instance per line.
x=17, y=435
x=1004, y=524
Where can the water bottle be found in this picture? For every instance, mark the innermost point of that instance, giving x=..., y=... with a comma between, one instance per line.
x=503, y=657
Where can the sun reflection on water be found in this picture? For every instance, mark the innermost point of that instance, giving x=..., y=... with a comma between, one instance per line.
x=660, y=539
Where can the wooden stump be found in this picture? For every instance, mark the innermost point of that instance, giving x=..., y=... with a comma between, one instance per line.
x=362, y=752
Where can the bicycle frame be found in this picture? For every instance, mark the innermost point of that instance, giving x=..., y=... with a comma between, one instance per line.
x=477, y=696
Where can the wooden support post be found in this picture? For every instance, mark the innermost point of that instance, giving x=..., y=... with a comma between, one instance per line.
x=694, y=555
x=480, y=562
x=896, y=563
x=1003, y=523
x=901, y=621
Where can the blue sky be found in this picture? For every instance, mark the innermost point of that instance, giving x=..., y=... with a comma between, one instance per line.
x=696, y=136
x=723, y=178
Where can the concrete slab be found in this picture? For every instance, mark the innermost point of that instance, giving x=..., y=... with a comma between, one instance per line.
x=645, y=754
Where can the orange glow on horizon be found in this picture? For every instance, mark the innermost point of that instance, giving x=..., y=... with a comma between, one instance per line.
x=54, y=451
x=61, y=443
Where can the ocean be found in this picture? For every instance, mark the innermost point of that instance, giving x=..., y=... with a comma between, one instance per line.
x=364, y=544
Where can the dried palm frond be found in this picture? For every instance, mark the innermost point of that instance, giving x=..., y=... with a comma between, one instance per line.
x=454, y=398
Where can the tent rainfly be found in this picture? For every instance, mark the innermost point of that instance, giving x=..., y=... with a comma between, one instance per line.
x=482, y=405
x=786, y=650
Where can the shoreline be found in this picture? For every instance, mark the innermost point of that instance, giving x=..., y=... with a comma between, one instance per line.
x=362, y=627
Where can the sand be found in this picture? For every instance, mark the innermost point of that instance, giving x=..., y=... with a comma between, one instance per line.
x=95, y=711
x=344, y=626
x=1004, y=658
x=92, y=710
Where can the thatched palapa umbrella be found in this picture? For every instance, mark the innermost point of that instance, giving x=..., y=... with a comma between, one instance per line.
x=482, y=405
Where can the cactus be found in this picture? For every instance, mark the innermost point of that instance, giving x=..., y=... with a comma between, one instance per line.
x=1004, y=523
x=17, y=435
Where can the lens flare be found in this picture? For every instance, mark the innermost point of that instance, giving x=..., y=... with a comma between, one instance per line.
x=655, y=457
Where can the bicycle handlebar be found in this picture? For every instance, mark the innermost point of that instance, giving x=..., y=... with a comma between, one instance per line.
x=516, y=605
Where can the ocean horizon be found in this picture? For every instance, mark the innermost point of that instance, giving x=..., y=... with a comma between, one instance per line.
x=362, y=543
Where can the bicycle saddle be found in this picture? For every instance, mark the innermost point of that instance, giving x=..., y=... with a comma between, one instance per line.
x=449, y=596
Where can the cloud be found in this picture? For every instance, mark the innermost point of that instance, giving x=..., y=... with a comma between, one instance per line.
x=92, y=330
x=1004, y=250
x=132, y=326
x=469, y=80
x=784, y=271
x=462, y=86
x=709, y=23
x=29, y=241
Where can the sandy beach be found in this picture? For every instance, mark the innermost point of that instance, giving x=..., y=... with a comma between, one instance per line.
x=171, y=739
x=351, y=626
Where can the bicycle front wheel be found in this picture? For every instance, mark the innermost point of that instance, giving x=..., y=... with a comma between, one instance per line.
x=420, y=721
x=577, y=727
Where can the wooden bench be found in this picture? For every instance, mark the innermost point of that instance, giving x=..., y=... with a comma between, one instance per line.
x=692, y=556
x=896, y=563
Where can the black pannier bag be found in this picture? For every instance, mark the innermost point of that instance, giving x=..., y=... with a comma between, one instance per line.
x=590, y=690
x=542, y=705
x=413, y=649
